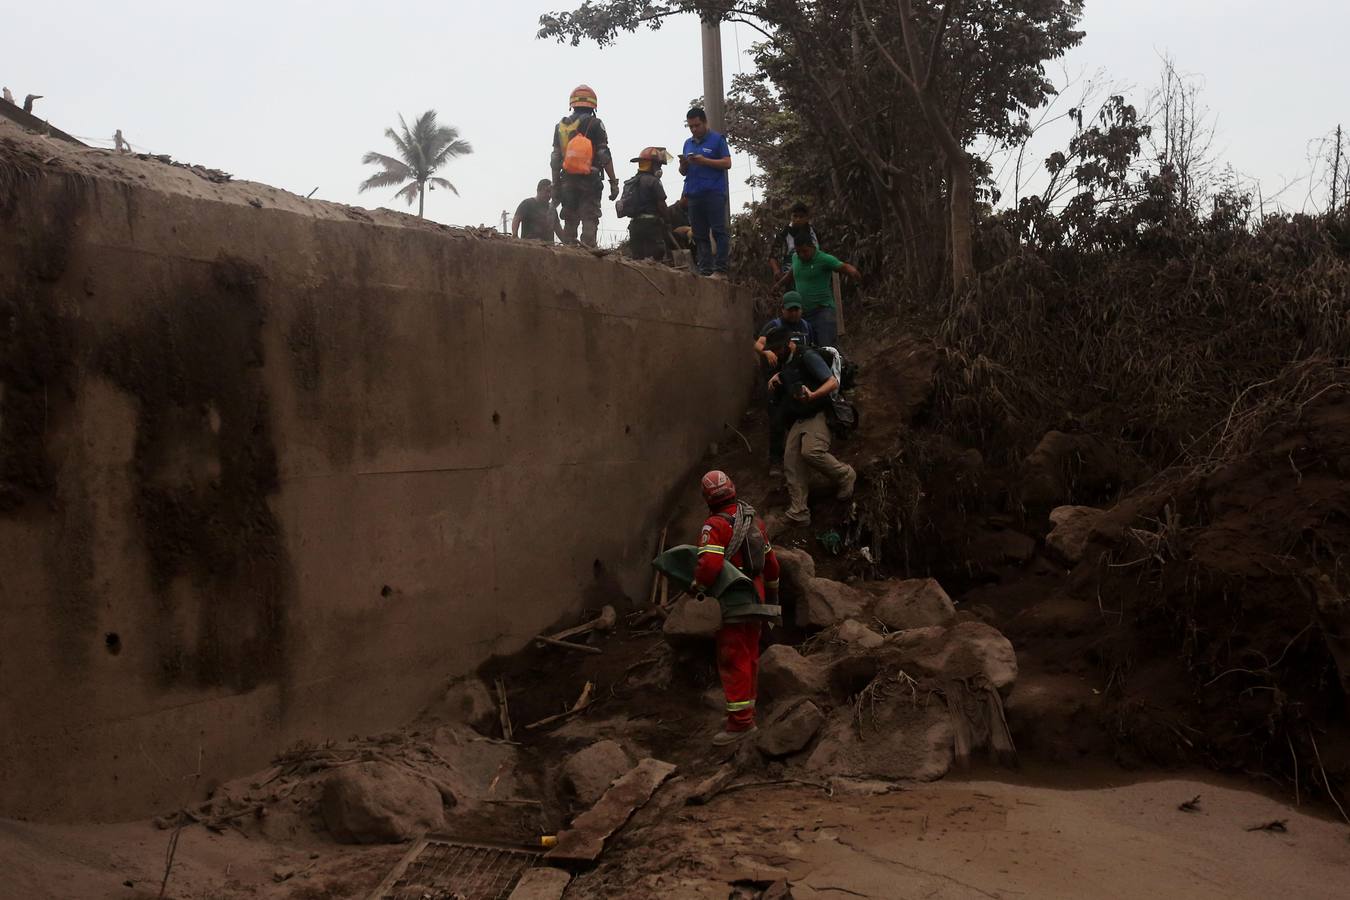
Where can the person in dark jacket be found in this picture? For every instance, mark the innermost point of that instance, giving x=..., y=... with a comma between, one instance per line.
x=806, y=383
x=791, y=320
x=645, y=204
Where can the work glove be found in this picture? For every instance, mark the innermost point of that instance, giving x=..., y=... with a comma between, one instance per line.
x=614, y=189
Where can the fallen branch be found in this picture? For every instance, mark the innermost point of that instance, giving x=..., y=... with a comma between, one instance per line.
x=743, y=438
x=829, y=791
x=567, y=645
x=583, y=701
x=603, y=622
x=503, y=710
x=1278, y=825
x=585, y=697
x=656, y=576
x=549, y=720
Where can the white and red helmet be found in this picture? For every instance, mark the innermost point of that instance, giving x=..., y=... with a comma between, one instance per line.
x=718, y=488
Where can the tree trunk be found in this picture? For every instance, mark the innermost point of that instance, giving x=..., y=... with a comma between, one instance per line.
x=421, y=197
x=961, y=189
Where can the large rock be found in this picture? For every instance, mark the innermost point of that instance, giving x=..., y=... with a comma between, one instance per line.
x=588, y=773
x=692, y=619
x=791, y=730
x=823, y=603
x=1073, y=526
x=797, y=565
x=962, y=652
x=1065, y=467
x=783, y=673
x=916, y=603
x=858, y=635
x=375, y=802
x=466, y=702
x=898, y=738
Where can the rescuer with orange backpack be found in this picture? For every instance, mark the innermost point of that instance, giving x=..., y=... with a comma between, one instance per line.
x=580, y=155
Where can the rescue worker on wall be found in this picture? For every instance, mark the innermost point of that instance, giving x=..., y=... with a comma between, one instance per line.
x=734, y=533
x=644, y=200
x=580, y=154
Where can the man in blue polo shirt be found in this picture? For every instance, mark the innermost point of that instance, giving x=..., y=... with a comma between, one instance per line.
x=704, y=164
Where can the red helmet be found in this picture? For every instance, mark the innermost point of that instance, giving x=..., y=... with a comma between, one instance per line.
x=718, y=488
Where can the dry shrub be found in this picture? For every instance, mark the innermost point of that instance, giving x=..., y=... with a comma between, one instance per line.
x=1154, y=344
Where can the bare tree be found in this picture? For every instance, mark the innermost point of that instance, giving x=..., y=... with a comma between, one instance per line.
x=1183, y=134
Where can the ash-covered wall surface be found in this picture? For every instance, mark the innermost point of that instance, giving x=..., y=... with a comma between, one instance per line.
x=273, y=470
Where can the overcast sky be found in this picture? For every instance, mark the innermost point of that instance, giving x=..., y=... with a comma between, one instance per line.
x=292, y=92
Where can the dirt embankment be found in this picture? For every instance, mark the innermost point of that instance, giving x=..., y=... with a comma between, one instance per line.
x=1195, y=615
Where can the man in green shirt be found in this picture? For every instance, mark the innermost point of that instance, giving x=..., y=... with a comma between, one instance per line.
x=811, y=273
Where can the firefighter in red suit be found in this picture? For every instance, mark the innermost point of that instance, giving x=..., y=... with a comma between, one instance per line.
x=738, y=639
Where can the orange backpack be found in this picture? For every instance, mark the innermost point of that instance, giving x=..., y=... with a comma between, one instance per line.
x=578, y=152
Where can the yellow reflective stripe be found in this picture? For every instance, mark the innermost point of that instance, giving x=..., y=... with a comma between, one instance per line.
x=740, y=705
x=713, y=548
x=771, y=584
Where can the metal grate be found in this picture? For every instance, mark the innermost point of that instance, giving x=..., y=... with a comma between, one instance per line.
x=439, y=868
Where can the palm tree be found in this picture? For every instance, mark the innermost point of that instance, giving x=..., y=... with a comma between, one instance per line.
x=422, y=150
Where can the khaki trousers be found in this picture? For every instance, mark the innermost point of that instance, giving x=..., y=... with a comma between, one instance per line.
x=808, y=447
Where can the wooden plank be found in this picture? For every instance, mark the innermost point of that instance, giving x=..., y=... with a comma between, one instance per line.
x=585, y=840
x=386, y=887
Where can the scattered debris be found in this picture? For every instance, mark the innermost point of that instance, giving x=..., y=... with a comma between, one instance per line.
x=1191, y=805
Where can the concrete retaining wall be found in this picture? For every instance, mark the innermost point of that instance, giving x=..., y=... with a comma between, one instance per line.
x=274, y=471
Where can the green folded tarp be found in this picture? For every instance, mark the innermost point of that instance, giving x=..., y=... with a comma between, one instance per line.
x=734, y=590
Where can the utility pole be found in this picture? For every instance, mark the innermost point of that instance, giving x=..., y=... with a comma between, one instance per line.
x=714, y=101
x=714, y=96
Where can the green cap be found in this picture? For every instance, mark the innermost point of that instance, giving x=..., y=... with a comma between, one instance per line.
x=792, y=300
